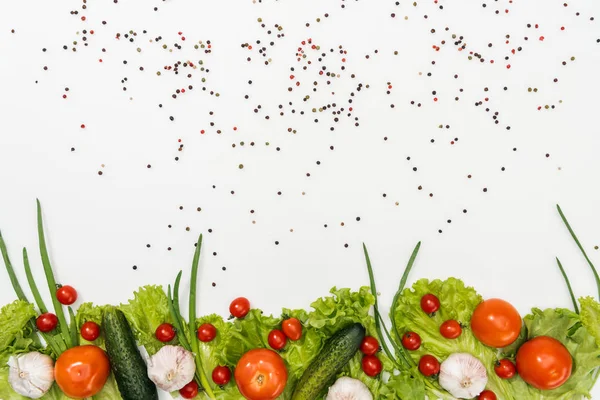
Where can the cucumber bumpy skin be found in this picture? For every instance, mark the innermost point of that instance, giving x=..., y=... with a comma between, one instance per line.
x=127, y=364
x=336, y=353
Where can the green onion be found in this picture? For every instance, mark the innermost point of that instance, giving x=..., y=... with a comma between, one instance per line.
x=177, y=321
x=407, y=270
x=564, y=274
x=32, y=285
x=73, y=328
x=11, y=272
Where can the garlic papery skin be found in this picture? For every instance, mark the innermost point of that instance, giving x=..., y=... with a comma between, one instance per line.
x=463, y=375
x=31, y=374
x=346, y=388
x=171, y=368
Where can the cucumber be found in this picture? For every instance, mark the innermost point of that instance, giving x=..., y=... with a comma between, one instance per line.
x=127, y=364
x=336, y=353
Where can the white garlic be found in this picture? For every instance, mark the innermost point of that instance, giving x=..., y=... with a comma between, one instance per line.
x=31, y=374
x=171, y=368
x=463, y=375
x=346, y=388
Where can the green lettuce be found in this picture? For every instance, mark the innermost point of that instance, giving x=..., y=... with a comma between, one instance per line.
x=13, y=318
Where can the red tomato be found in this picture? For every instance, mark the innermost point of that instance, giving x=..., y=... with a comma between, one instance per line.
x=544, y=363
x=505, y=369
x=411, y=341
x=369, y=345
x=239, y=307
x=207, y=332
x=292, y=328
x=81, y=371
x=46, y=322
x=189, y=391
x=496, y=323
x=487, y=395
x=165, y=332
x=429, y=365
x=90, y=331
x=277, y=339
x=430, y=303
x=66, y=295
x=371, y=365
x=221, y=375
x=450, y=329
x=261, y=375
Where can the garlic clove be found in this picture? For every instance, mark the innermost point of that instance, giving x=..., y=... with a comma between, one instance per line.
x=171, y=368
x=346, y=388
x=31, y=374
x=463, y=375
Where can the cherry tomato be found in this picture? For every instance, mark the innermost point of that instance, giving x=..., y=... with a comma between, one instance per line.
x=430, y=303
x=411, y=341
x=292, y=328
x=189, y=391
x=429, y=365
x=82, y=371
x=450, y=329
x=487, y=395
x=369, y=345
x=371, y=365
x=261, y=375
x=221, y=375
x=505, y=369
x=66, y=295
x=46, y=322
x=239, y=307
x=165, y=332
x=277, y=339
x=207, y=332
x=496, y=323
x=90, y=331
x=544, y=363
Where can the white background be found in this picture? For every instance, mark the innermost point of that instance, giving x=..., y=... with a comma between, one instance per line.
x=98, y=226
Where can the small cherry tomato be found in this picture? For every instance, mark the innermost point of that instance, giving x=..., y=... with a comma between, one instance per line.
x=66, y=295
x=292, y=328
x=165, y=332
x=221, y=375
x=369, y=345
x=430, y=303
x=505, y=369
x=277, y=339
x=207, y=332
x=371, y=365
x=487, y=395
x=189, y=391
x=411, y=341
x=46, y=322
x=90, y=331
x=239, y=307
x=450, y=329
x=429, y=365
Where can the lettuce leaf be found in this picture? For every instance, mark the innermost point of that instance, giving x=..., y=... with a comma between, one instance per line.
x=13, y=318
x=590, y=317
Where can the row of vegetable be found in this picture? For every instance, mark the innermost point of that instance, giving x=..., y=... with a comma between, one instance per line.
x=444, y=342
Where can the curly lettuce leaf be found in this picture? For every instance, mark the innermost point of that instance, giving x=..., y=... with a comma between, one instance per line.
x=13, y=318
x=590, y=316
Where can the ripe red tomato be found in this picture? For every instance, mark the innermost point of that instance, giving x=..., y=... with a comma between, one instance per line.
x=277, y=339
x=66, y=295
x=505, y=369
x=371, y=365
x=46, y=322
x=261, y=375
x=239, y=307
x=450, y=329
x=221, y=375
x=411, y=341
x=430, y=303
x=165, y=332
x=189, y=391
x=82, y=371
x=496, y=323
x=90, y=331
x=487, y=395
x=544, y=363
x=429, y=365
x=207, y=332
x=292, y=328
x=369, y=345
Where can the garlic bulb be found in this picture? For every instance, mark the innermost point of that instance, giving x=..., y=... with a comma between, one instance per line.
x=171, y=368
x=31, y=374
x=346, y=388
x=463, y=375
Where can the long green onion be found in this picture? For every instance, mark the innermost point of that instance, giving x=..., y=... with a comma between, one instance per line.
x=11, y=272
x=73, y=328
x=32, y=285
x=407, y=270
x=564, y=274
x=177, y=321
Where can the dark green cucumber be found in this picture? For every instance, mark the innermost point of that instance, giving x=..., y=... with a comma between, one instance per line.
x=336, y=353
x=127, y=364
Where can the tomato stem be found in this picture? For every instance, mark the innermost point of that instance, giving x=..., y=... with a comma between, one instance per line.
x=564, y=274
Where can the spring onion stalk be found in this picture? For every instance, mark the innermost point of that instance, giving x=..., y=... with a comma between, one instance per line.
x=64, y=328
x=11, y=272
x=73, y=328
x=32, y=285
x=407, y=270
x=564, y=274
x=177, y=321
x=176, y=302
